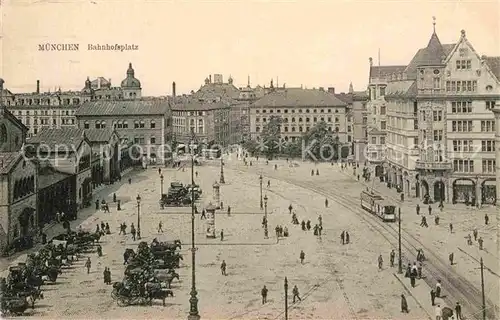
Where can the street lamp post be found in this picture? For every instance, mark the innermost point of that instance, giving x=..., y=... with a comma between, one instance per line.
x=286, y=298
x=400, y=262
x=193, y=301
x=266, y=231
x=138, y=217
x=261, y=203
x=222, y=180
x=161, y=187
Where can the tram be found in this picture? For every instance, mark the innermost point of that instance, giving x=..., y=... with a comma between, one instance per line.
x=375, y=204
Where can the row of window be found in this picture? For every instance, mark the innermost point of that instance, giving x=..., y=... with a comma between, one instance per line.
x=461, y=86
x=468, y=145
x=101, y=124
x=45, y=122
x=467, y=166
x=463, y=64
x=298, y=111
x=301, y=129
x=293, y=138
x=467, y=126
x=46, y=112
x=23, y=187
x=374, y=140
x=382, y=110
x=315, y=119
x=48, y=101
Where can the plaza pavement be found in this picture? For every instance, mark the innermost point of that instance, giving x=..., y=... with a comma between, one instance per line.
x=336, y=281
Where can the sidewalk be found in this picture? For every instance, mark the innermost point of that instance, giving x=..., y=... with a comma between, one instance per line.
x=53, y=229
x=421, y=295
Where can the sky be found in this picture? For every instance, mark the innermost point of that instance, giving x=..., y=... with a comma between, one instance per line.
x=311, y=43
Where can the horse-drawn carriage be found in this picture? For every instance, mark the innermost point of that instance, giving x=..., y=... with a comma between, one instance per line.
x=179, y=195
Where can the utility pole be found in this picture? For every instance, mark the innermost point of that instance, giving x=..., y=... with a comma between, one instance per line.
x=286, y=298
x=400, y=262
x=482, y=289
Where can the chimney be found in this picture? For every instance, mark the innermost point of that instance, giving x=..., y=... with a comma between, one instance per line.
x=38, y=86
x=371, y=61
x=210, y=79
x=173, y=89
x=109, y=82
x=99, y=83
x=331, y=90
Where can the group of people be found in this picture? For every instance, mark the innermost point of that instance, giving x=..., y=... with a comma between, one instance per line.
x=344, y=237
x=295, y=294
x=103, y=228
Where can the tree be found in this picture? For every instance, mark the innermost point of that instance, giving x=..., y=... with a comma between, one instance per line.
x=271, y=137
x=321, y=144
x=251, y=146
x=294, y=149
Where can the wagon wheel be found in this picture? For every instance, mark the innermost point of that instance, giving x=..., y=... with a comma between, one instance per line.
x=123, y=301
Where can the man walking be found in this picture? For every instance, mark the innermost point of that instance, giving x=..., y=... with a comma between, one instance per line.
x=458, y=311
x=88, y=264
x=433, y=297
x=160, y=229
x=290, y=208
x=392, y=257
x=474, y=232
x=342, y=237
x=223, y=268
x=203, y=214
x=263, y=292
x=438, y=289
x=480, y=241
x=347, y=237
x=423, y=223
x=418, y=210
x=451, y=227
x=302, y=256
x=486, y=219
x=450, y=257
x=295, y=292
x=438, y=312
x=380, y=262
x=222, y=235
x=430, y=210
x=132, y=231
x=404, y=304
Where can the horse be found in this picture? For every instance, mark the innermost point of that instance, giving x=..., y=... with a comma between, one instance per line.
x=447, y=313
x=167, y=277
x=155, y=290
x=129, y=253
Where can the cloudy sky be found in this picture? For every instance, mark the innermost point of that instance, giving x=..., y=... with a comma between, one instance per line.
x=314, y=43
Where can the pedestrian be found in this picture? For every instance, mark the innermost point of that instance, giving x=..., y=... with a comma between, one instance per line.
x=380, y=262
x=132, y=231
x=119, y=207
x=302, y=256
x=88, y=264
x=486, y=219
x=347, y=237
x=450, y=257
x=419, y=270
x=97, y=229
x=413, y=276
x=228, y=211
x=423, y=223
x=438, y=289
x=418, y=210
x=160, y=229
x=58, y=217
x=196, y=173
x=129, y=180
x=451, y=227
x=320, y=221
x=222, y=235
x=458, y=311
x=114, y=197
x=317, y=172
x=203, y=214
x=308, y=225
x=312, y=173
x=433, y=297
x=358, y=177
x=269, y=183
x=326, y=203
x=99, y=250
x=263, y=292
x=342, y=237
x=290, y=208
x=469, y=240
x=392, y=257
x=480, y=241
x=436, y=220
x=105, y=275
x=295, y=292
x=159, y=170
x=97, y=204
x=474, y=232
x=108, y=231
x=223, y=268
x=438, y=312
x=404, y=304
x=430, y=210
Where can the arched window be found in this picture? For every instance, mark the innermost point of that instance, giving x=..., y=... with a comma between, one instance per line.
x=103, y=124
x=300, y=119
x=125, y=124
x=86, y=125
x=3, y=133
x=136, y=124
x=97, y=124
x=153, y=124
x=141, y=124
x=120, y=124
x=191, y=122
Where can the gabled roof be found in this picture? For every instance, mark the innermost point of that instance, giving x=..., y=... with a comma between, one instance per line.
x=123, y=108
x=52, y=138
x=494, y=65
x=296, y=97
x=385, y=71
x=100, y=135
x=8, y=115
x=401, y=88
x=190, y=103
x=8, y=160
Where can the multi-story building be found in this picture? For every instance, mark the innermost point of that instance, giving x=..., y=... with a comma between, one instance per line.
x=300, y=109
x=146, y=124
x=497, y=139
x=375, y=116
x=440, y=128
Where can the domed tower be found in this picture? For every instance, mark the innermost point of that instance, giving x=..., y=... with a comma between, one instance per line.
x=131, y=87
x=87, y=91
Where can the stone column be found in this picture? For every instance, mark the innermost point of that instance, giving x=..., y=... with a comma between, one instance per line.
x=496, y=111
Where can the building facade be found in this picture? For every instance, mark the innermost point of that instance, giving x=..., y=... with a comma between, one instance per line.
x=440, y=128
x=497, y=158
x=300, y=109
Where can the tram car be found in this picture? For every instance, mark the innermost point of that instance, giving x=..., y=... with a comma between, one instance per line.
x=375, y=204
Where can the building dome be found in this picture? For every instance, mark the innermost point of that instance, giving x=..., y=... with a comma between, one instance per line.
x=130, y=81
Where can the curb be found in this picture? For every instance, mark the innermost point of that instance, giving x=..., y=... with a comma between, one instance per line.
x=414, y=298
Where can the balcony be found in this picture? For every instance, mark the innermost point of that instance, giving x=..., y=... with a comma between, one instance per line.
x=424, y=165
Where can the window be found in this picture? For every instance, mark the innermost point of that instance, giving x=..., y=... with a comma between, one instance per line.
x=382, y=110
x=438, y=135
x=463, y=165
x=490, y=105
x=374, y=110
x=382, y=91
x=488, y=145
x=383, y=125
x=257, y=119
x=153, y=124
x=382, y=140
x=136, y=124
x=461, y=126
x=436, y=84
x=463, y=146
x=125, y=124
x=464, y=64
x=86, y=125
x=141, y=124
x=488, y=126
x=98, y=124
x=374, y=140
x=103, y=124
x=461, y=86
x=257, y=129
x=329, y=119
x=336, y=119
x=461, y=107
x=286, y=129
x=348, y=128
x=489, y=166
x=365, y=120
x=437, y=115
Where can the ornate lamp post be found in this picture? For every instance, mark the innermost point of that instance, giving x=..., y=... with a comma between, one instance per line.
x=138, y=217
x=286, y=298
x=161, y=187
x=193, y=301
x=222, y=170
x=266, y=234
x=261, y=203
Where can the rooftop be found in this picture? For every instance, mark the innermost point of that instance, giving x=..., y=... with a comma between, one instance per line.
x=296, y=97
x=494, y=64
x=123, y=108
x=8, y=161
x=190, y=103
x=52, y=138
x=49, y=176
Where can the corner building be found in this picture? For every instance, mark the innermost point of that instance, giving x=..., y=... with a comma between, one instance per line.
x=440, y=131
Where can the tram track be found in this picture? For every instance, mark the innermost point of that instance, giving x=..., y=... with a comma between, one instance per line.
x=457, y=287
